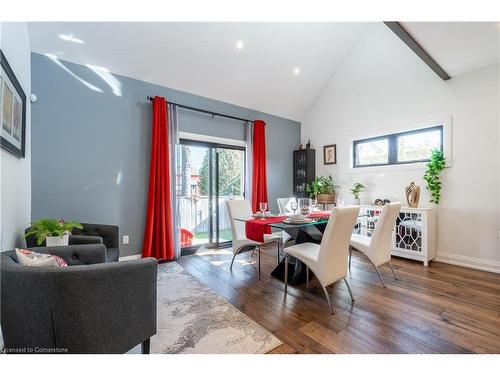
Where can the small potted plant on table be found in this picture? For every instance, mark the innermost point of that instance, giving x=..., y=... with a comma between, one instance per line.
x=54, y=232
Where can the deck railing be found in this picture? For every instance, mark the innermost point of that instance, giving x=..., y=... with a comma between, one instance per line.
x=194, y=213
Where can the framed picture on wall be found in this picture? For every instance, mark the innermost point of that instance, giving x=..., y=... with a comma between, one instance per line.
x=330, y=154
x=12, y=111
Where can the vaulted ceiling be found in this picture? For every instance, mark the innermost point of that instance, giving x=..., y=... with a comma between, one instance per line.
x=278, y=68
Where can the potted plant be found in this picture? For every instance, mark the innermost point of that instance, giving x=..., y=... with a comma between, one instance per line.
x=358, y=188
x=431, y=176
x=323, y=189
x=54, y=232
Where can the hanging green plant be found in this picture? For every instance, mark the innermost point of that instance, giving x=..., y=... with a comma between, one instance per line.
x=431, y=176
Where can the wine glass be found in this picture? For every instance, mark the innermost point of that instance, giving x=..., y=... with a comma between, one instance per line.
x=293, y=206
x=314, y=204
x=263, y=208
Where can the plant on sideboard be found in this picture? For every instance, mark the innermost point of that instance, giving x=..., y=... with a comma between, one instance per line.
x=358, y=188
x=431, y=176
x=323, y=189
x=54, y=232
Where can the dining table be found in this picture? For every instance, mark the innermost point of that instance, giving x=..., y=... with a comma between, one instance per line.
x=310, y=231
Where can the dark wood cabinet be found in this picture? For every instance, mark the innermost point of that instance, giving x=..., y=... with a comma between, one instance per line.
x=304, y=171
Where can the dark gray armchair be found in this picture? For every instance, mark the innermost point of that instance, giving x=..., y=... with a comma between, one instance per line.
x=91, y=234
x=88, y=307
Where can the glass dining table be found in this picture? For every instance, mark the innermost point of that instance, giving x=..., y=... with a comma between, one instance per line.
x=299, y=233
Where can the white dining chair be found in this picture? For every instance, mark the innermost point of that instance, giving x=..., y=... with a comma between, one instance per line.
x=328, y=260
x=284, y=205
x=377, y=248
x=241, y=209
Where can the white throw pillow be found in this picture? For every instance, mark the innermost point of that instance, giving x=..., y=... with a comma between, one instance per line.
x=32, y=259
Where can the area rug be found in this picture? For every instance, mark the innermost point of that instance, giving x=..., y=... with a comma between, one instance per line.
x=193, y=319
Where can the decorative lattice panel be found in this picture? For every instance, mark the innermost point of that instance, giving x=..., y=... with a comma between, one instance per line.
x=409, y=231
x=366, y=221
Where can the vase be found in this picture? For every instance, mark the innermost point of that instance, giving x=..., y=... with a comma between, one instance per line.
x=57, y=240
x=412, y=195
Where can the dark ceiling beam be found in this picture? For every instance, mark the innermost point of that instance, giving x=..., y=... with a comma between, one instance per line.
x=417, y=49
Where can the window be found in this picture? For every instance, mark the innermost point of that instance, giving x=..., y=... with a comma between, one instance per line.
x=398, y=148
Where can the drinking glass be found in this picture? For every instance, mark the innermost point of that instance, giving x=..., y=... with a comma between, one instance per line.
x=314, y=203
x=263, y=208
x=304, y=206
x=293, y=206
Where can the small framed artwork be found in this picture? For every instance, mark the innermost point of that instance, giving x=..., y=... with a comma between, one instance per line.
x=330, y=154
x=12, y=110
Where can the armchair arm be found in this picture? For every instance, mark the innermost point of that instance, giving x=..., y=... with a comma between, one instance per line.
x=77, y=239
x=76, y=254
x=105, y=308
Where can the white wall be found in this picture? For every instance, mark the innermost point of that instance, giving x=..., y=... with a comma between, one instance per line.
x=16, y=173
x=383, y=85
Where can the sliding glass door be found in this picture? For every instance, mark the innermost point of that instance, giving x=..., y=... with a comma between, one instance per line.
x=209, y=174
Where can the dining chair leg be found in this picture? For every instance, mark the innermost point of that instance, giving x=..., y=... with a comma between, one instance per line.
x=258, y=253
x=392, y=269
x=328, y=299
x=379, y=275
x=286, y=273
x=350, y=256
x=234, y=256
x=251, y=255
x=349, y=289
x=307, y=277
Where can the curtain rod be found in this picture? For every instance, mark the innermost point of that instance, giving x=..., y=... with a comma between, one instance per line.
x=204, y=111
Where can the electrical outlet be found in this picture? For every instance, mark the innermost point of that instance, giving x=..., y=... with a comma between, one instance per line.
x=125, y=240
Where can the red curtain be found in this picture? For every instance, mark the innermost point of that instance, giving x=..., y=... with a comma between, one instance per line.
x=259, y=176
x=158, y=234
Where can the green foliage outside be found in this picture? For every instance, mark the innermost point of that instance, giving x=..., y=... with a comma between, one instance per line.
x=431, y=176
x=230, y=173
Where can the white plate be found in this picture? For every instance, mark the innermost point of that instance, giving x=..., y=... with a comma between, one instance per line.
x=259, y=216
x=305, y=221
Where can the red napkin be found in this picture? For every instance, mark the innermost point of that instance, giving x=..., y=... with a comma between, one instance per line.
x=256, y=228
x=319, y=215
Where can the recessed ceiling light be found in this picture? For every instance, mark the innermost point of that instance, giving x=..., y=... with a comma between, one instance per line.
x=296, y=71
x=239, y=44
x=71, y=38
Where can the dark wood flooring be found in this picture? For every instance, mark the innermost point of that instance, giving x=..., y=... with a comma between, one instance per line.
x=436, y=309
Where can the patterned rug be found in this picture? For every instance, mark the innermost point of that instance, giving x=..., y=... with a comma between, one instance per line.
x=194, y=319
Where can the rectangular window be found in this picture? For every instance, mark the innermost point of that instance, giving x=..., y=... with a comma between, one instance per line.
x=398, y=148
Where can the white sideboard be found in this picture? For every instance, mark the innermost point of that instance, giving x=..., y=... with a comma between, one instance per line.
x=414, y=235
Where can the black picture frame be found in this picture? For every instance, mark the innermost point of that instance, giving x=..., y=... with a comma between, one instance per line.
x=8, y=145
x=327, y=160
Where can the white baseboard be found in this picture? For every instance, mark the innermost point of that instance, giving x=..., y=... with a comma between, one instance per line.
x=130, y=257
x=470, y=262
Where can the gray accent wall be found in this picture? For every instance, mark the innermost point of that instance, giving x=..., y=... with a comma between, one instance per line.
x=91, y=144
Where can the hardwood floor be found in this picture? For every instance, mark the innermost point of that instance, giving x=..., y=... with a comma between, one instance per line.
x=438, y=309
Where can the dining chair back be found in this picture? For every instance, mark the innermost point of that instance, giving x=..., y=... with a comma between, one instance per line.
x=381, y=239
x=334, y=247
x=238, y=209
x=284, y=205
